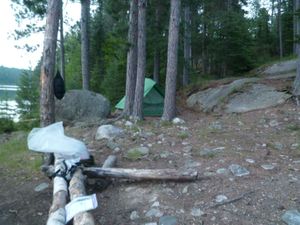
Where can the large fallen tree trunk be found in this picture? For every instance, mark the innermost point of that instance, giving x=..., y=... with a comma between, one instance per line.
x=77, y=189
x=141, y=174
x=57, y=213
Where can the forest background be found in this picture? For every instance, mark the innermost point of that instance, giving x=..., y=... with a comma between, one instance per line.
x=217, y=39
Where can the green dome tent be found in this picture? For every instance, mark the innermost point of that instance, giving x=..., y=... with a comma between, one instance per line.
x=153, y=103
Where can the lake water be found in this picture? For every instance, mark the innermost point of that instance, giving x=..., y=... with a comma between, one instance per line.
x=8, y=105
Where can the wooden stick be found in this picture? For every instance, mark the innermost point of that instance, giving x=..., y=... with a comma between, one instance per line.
x=110, y=161
x=141, y=174
x=57, y=214
x=77, y=189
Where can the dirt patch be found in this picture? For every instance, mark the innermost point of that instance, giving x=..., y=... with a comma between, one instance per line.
x=255, y=140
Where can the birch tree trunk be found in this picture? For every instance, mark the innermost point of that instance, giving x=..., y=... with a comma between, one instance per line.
x=131, y=58
x=187, y=46
x=141, y=62
x=47, y=107
x=170, y=93
x=85, y=14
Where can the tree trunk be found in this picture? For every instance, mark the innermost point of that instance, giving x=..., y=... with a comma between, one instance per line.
x=141, y=174
x=85, y=15
x=187, y=46
x=156, y=66
x=141, y=62
x=294, y=26
x=131, y=58
x=156, y=60
x=62, y=46
x=296, y=84
x=280, y=30
x=170, y=93
x=47, y=107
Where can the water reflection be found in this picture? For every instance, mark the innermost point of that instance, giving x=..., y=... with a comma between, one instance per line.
x=8, y=105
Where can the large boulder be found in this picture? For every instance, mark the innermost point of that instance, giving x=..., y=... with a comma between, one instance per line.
x=82, y=105
x=209, y=99
x=258, y=96
x=279, y=68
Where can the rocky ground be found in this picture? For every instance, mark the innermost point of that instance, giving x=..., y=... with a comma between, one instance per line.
x=248, y=166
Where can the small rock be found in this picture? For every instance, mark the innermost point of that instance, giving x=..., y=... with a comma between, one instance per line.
x=150, y=223
x=216, y=125
x=108, y=132
x=39, y=213
x=128, y=123
x=197, y=212
x=211, y=151
x=268, y=166
x=185, y=190
x=168, y=220
x=178, y=121
x=250, y=161
x=187, y=149
x=112, y=145
x=222, y=171
x=291, y=217
x=221, y=198
x=278, y=146
x=273, y=123
x=155, y=204
x=137, y=153
x=295, y=146
x=238, y=171
x=154, y=213
x=41, y=187
x=191, y=164
x=134, y=215
x=164, y=155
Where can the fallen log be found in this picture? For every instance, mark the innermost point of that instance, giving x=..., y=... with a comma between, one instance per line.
x=141, y=174
x=77, y=189
x=57, y=213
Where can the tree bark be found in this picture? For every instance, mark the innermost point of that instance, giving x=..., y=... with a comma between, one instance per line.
x=141, y=62
x=141, y=174
x=156, y=60
x=170, y=93
x=187, y=46
x=57, y=214
x=296, y=84
x=280, y=30
x=47, y=107
x=131, y=58
x=85, y=15
x=62, y=46
x=77, y=189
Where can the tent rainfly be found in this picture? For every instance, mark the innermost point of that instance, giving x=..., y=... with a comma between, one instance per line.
x=153, y=102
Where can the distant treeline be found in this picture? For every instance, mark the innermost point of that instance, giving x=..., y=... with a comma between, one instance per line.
x=10, y=76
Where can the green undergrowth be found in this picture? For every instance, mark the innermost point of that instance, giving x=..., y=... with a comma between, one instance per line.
x=14, y=156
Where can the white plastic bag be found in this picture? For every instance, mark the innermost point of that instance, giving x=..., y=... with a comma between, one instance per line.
x=52, y=139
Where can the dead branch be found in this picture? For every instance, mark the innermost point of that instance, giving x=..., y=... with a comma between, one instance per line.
x=141, y=174
x=232, y=200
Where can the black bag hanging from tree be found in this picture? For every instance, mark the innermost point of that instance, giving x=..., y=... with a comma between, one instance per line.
x=59, y=86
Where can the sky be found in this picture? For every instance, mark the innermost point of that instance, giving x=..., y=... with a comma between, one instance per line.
x=12, y=57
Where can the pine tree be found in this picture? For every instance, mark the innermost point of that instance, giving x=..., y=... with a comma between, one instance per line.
x=170, y=92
